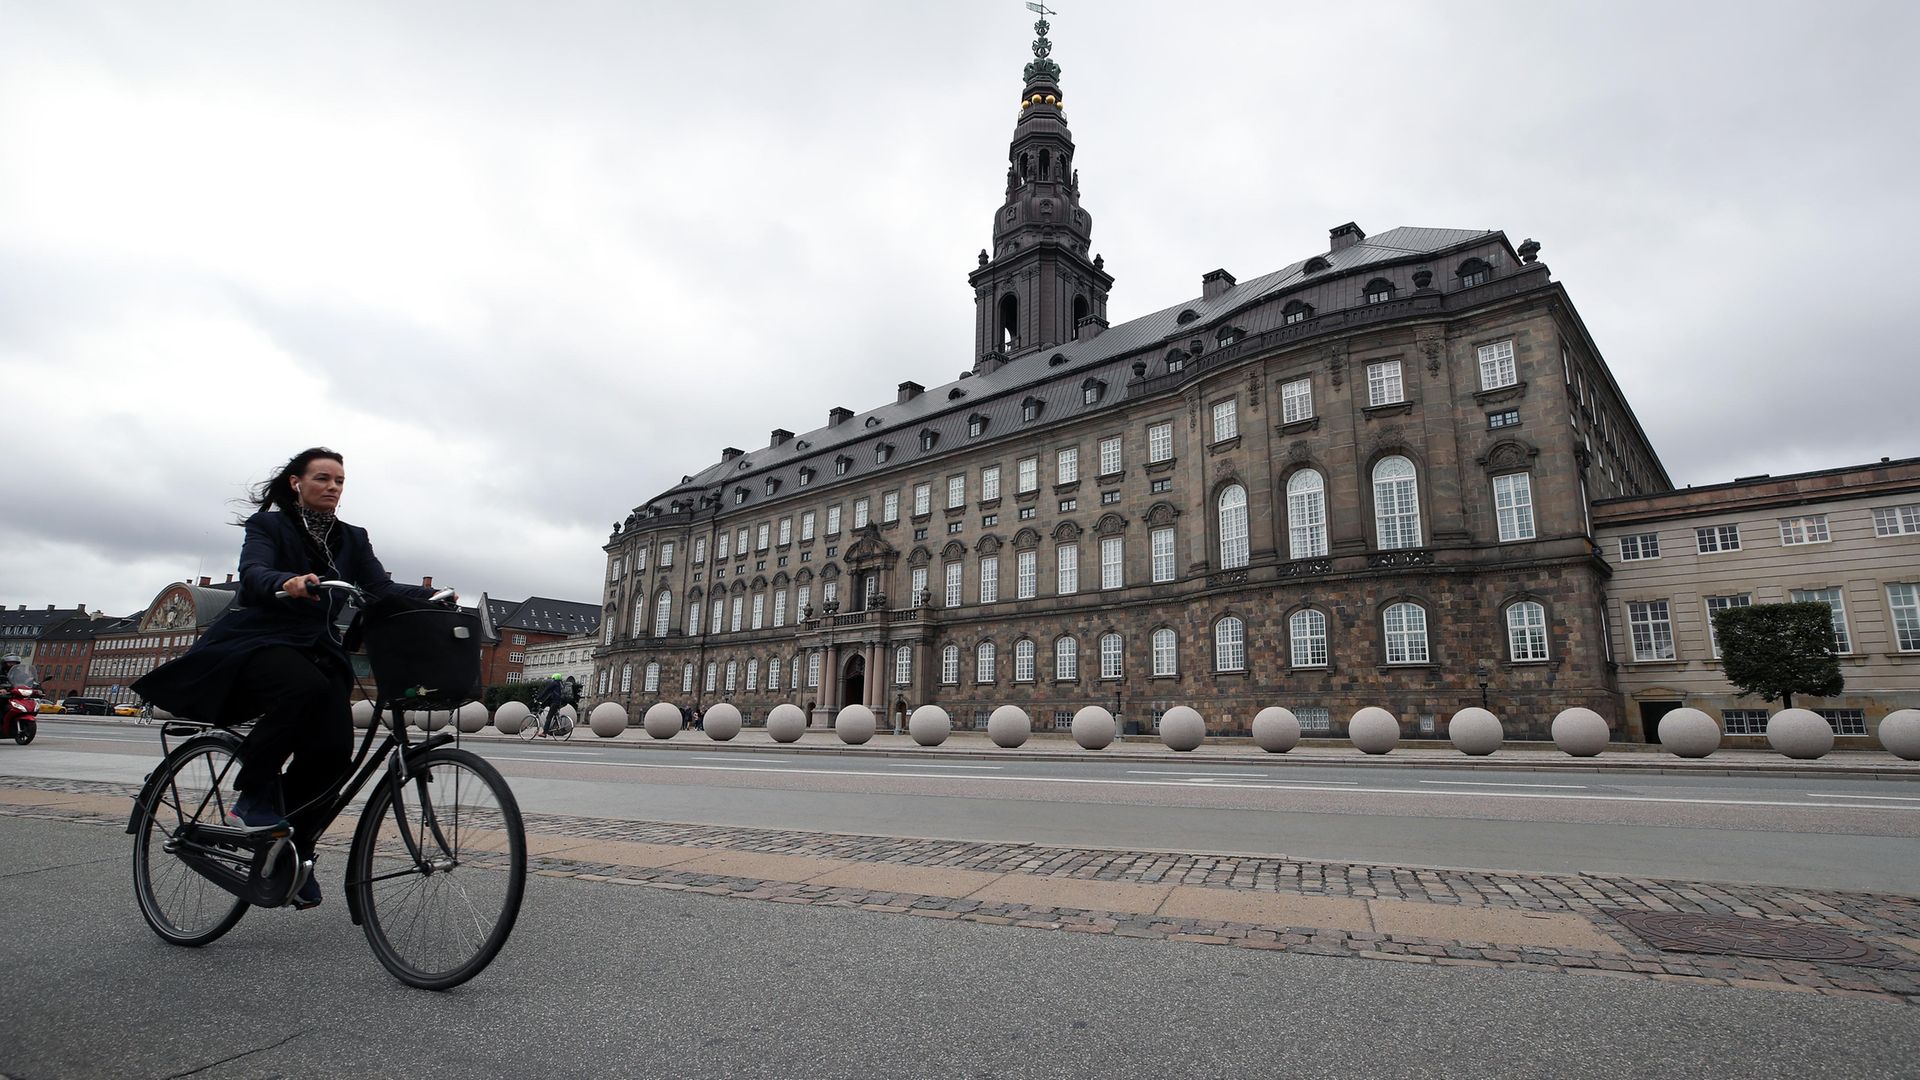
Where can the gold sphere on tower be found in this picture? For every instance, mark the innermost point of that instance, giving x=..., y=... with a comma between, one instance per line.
x=1025, y=104
x=1051, y=100
x=1036, y=99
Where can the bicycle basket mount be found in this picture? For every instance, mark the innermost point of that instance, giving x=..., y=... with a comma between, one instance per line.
x=422, y=654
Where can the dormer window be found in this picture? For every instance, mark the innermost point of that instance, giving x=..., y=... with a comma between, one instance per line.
x=929, y=439
x=841, y=465
x=1228, y=335
x=1314, y=265
x=1474, y=272
x=1091, y=391
x=956, y=394
x=1030, y=409
x=976, y=426
x=1296, y=312
x=773, y=485
x=806, y=475
x=873, y=421
x=739, y=495
x=881, y=453
x=1187, y=316
x=1379, y=291
x=1056, y=359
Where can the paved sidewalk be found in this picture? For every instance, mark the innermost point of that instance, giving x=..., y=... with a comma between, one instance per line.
x=1446, y=917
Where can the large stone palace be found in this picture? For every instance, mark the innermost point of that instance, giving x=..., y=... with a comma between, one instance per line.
x=1361, y=479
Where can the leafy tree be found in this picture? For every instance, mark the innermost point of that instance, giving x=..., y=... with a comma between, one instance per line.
x=1779, y=650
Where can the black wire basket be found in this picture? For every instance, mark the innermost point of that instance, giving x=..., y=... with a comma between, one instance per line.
x=424, y=655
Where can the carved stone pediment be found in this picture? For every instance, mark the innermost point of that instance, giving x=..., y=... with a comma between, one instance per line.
x=954, y=550
x=1508, y=455
x=1066, y=530
x=1026, y=538
x=830, y=571
x=1110, y=525
x=988, y=544
x=870, y=547
x=919, y=556
x=1162, y=513
x=805, y=575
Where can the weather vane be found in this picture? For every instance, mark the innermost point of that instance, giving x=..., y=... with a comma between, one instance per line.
x=1040, y=9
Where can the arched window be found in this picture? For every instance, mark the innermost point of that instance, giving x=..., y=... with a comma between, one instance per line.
x=1079, y=314
x=903, y=665
x=1009, y=319
x=950, y=665
x=1295, y=312
x=1306, y=515
x=1474, y=272
x=753, y=673
x=662, y=613
x=773, y=673
x=1110, y=656
x=1396, y=503
x=626, y=678
x=1379, y=291
x=652, y=682
x=1527, y=631
x=1023, y=657
x=1233, y=527
x=1406, y=626
x=1307, y=631
x=983, y=663
x=1066, y=659
x=1166, y=652
x=1229, y=645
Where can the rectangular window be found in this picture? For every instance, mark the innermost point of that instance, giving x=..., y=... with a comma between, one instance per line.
x=806, y=525
x=903, y=666
x=1023, y=657
x=1296, y=401
x=956, y=491
x=1722, y=603
x=1887, y=521
x=1713, y=538
x=739, y=614
x=950, y=665
x=1506, y=418
x=1161, y=486
x=1904, y=602
x=1496, y=366
x=1845, y=721
x=860, y=513
x=719, y=617
x=1166, y=653
x=1066, y=659
x=1111, y=551
x=1109, y=498
x=1226, y=421
x=753, y=675
x=1811, y=529
x=1652, y=630
x=786, y=531
x=954, y=528
x=724, y=548
x=1639, y=546
x=740, y=544
x=713, y=676
x=989, y=483
x=1110, y=656
x=983, y=662
x=1160, y=443
x=1744, y=721
x=780, y=608
x=1162, y=554
x=1832, y=598
x=803, y=599
x=990, y=579
x=1029, y=474
x=833, y=520
x=1026, y=575
x=922, y=500
x=1314, y=718
x=1068, y=570
x=953, y=584
x=1067, y=466
x=759, y=618
x=1383, y=384
x=813, y=668
x=890, y=507
x=1110, y=456
x=686, y=677
x=1513, y=506
x=764, y=537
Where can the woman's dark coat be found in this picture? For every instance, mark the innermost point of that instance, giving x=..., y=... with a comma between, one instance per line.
x=277, y=547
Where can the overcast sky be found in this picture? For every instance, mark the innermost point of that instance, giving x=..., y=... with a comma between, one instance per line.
x=527, y=264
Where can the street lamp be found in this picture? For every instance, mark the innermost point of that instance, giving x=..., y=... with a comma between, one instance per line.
x=1481, y=673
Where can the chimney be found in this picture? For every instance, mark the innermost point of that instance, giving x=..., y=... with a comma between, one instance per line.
x=730, y=453
x=49, y=607
x=838, y=415
x=1215, y=283
x=1345, y=236
x=427, y=582
x=780, y=437
x=229, y=579
x=909, y=391
x=205, y=581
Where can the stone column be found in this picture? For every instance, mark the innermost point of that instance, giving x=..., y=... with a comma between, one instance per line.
x=829, y=699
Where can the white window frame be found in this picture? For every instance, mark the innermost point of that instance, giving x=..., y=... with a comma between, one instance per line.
x=1714, y=539
x=806, y=525
x=1226, y=420
x=1405, y=626
x=1805, y=529
x=1903, y=604
x=1025, y=653
x=890, y=507
x=1166, y=652
x=1110, y=456
x=1113, y=656
x=833, y=520
x=1712, y=604
x=1527, y=632
x=1384, y=385
x=739, y=614
x=1066, y=659
x=1066, y=465
x=1159, y=443
x=1396, y=504
x=758, y=619
x=1229, y=644
x=1027, y=474
x=1497, y=368
x=1640, y=547
x=1835, y=597
x=763, y=536
x=1067, y=569
x=1113, y=555
x=1306, y=515
x=955, y=574
x=985, y=659
x=662, y=613
x=1232, y=509
x=780, y=608
x=956, y=491
x=1307, y=638
x=903, y=665
x=1296, y=401
x=1513, y=506
x=989, y=483
x=950, y=665
x=650, y=679
x=1650, y=631
x=922, y=500
x=1026, y=575
x=1896, y=520
x=861, y=513
x=989, y=579
x=1163, y=561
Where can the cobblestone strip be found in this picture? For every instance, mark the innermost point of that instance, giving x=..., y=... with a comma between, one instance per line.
x=1878, y=917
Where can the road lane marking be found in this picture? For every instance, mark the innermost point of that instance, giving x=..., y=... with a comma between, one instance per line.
x=1496, y=783
x=1895, y=798
x=904, y=765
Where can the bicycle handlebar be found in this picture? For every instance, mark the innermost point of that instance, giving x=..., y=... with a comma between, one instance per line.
x=440, y=596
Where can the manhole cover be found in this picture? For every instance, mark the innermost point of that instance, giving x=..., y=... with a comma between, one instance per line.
x=1731, y=935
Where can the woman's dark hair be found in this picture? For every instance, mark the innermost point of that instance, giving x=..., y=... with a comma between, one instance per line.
x=277, y=492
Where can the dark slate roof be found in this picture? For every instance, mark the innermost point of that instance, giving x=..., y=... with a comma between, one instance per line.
x=34, y=622
x=546, y=616
x=999, y=395
x=77, y=628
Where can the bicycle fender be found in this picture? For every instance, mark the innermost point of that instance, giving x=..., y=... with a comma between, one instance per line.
x=193, y=745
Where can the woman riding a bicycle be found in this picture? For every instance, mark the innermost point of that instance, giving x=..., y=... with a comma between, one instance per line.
x=284, y=660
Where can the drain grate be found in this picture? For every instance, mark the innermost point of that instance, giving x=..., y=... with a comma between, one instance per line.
x=1731, y=935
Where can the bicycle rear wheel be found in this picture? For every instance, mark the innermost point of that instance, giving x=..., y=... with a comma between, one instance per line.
x=438, y=868
x=195, y=788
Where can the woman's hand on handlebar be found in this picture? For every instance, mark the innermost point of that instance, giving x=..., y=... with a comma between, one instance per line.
x=304, y=587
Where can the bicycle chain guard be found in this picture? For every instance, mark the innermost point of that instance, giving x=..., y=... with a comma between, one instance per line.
x=263, y=869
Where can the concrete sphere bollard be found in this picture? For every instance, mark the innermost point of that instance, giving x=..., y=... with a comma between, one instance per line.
x=1475, y=732
x=929, y=725
x=1182, y=728
x=429, y=720
x=1009, y=726
x=1800, y=733
x=721, y=722
x=1580, y=732
x=855, y=724
x=1373, y=730
x=509, y=718
x=786, y=723
x=607, y=719
x=662, y=720
x=470, y=717
x=1093, y=728
x=1689, y=733
x=1276, y=730
x=362, y=714
x=1900, y=734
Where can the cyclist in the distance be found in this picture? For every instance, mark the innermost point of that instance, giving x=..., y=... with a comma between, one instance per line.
x=550, y=699
x=283, y=660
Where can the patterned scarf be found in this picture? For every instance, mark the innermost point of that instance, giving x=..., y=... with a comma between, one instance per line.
x=319, y=525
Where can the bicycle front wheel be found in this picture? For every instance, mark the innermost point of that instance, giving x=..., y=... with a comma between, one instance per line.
x=438, y=869
x=530, y=728
x=195, y=788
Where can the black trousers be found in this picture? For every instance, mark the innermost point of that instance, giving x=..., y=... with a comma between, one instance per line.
x=302, y=701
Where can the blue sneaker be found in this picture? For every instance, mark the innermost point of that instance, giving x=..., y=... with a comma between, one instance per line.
x=254, y=811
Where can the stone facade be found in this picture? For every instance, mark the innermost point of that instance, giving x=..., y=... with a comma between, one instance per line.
x=1443, y=368
x=1851, y=535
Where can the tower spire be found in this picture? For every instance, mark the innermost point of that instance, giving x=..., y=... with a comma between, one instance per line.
x=1038, y=288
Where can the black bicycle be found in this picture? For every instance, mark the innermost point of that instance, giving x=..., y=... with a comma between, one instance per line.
x=438, y=860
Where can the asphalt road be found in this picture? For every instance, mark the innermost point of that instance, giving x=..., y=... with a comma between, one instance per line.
x=602, y=980
x=1824, y=833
